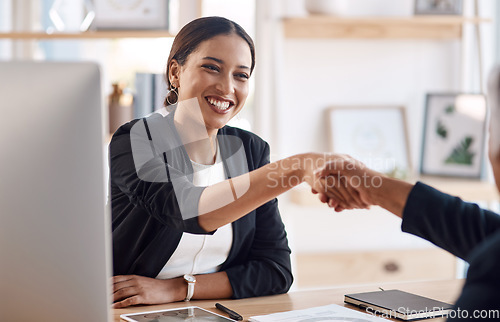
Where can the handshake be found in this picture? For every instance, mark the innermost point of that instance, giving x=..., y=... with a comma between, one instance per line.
x=343, y=182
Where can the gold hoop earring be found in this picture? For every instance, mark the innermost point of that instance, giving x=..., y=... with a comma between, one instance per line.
x=174, y=90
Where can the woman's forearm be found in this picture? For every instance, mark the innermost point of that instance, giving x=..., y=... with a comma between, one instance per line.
x=135, y=290
x=212, y=286
x=231, y=199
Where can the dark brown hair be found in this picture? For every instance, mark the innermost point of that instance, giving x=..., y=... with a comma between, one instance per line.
x=194, y=33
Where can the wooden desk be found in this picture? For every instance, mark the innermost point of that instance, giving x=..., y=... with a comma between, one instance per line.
x=442, y=290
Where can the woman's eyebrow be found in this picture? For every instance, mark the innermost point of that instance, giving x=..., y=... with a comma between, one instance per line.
x=220, y=61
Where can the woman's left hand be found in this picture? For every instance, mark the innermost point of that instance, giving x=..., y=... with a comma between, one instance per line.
x=133, y=290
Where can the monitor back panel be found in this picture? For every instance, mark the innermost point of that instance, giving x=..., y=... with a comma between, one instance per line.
x=54, y=224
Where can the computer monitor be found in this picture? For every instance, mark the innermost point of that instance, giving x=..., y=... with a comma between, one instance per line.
x=55, y=242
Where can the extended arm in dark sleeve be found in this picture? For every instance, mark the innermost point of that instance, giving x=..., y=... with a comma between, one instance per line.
x=447, y=221
x=267, y=268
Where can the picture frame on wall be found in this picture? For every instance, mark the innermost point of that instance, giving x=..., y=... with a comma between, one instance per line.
x=438, y=7
x=375, y=135
x=454, y=135
x=131, y=14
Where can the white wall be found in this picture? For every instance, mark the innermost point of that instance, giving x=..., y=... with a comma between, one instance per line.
x=5, y=25
x=321, y=230
x=318, y=74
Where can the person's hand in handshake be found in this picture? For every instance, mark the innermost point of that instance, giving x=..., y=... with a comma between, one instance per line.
x=349, y=178
x=345, y=174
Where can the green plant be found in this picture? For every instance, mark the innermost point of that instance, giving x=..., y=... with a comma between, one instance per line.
x=461, y=154
x=441, y=130
x=450, y=109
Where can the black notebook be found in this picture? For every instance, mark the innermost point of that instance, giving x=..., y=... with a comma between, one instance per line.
x=398, y=304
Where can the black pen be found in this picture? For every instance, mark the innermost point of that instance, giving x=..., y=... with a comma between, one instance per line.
x=233, y=315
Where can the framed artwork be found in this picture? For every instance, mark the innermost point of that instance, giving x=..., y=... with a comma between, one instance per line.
x=375, y=135
x=131, y=14
x=438, y=7
x=454, y=135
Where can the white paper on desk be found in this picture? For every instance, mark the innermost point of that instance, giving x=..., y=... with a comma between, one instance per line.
x=330, y=312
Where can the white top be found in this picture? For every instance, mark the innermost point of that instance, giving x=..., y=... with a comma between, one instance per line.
x=201, y=254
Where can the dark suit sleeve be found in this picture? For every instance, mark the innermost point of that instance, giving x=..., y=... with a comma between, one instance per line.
x=267, y=269
x=447, y=221
x=156, y=196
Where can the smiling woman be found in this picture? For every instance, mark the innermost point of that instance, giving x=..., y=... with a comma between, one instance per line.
x=193, y=200
x=217, y=75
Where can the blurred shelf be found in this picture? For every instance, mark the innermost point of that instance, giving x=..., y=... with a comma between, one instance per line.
x=414, y=27
x=101, y=34
x=467, y=189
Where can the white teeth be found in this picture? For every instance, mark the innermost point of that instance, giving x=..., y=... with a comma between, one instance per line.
x=222, y=105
